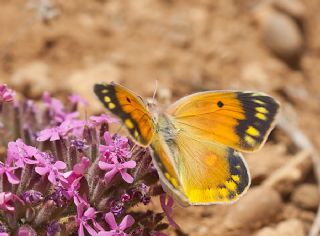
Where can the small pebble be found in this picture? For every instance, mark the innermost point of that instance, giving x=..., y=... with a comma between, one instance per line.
x=306, y=196
x=259, y=206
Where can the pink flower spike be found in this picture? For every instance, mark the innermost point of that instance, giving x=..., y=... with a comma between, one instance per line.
x=102, y=119
x=7, y=199
x=52, y=170
x=83, y=218
x=167, y=208
x=21, y=153
x=77, y=99
x=6, y=94
x=46, y=98
x=82, y=166
x=51, y=134
x=107, y=138
x=9, y=172
x=114, y=168
x=127, y=222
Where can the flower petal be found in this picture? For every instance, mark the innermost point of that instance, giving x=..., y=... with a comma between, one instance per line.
x=52, y=177
x=81, y=230
x=109, y=175
x=12, y=178
x=90, y=230
x=109, y=218
x=127, y=222
x=167, y=208
x=126, y=177
x=55, y=136
x=44, y=135
x=90, y=212
x=105, y=166
x=60, y=165
x=42, y=170
x=129, y=164
x=107, y=233
x=107, y=138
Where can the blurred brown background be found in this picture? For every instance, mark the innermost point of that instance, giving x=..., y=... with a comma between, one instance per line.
x=187, y=46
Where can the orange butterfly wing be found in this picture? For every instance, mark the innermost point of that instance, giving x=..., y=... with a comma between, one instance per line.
x=241, y=120
x=127, y=106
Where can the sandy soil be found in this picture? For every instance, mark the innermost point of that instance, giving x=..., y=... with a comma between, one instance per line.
x=187, y=46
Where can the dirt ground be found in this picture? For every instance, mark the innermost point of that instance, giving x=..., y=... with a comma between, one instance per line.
x=188, y=46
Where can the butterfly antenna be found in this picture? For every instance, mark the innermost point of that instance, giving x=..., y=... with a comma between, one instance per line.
x=155, y=92
x=120, y=128
x=133, y=147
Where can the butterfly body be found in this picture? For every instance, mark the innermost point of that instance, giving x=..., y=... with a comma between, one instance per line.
x=195, y=142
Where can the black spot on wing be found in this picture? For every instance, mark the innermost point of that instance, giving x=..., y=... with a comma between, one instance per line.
x=220, y=104
x=252, y=105
x=108, y=90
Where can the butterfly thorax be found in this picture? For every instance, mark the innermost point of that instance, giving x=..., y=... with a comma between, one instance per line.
x=166, y=128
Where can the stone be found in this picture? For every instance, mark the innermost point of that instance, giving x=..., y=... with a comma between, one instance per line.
x=290, y=227
x=306, y=196
x=259, y=206
x=284, y=179
x=262, y=164
x=266, y=231
x=285, y=228
x=280, y=33
x=294, y=8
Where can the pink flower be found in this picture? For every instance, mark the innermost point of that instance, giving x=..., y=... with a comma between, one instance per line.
x=74, y=126
x=7, y=199
x=9, y=171
x=51, y=134
x=115, y=148
x=83, y=218
x=6, y=94
x=78, y=170
x=52, y=170
x=21, y=153
x=116, y=167
x=127, y=222
x=77, y=99
x=61, y=131
x=73, y=179
x=57, y=109
x=167, y=208
x=72, y=191
x=102, y=119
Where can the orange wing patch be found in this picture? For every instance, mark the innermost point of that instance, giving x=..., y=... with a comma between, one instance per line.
x=126, y=105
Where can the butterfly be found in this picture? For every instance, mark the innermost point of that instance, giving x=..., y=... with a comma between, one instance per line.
x=195, y=143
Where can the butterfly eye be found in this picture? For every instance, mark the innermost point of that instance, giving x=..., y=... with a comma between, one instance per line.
x=220, y=104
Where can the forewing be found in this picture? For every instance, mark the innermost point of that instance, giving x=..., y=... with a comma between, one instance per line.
x=241, y=120
x=127, y=106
